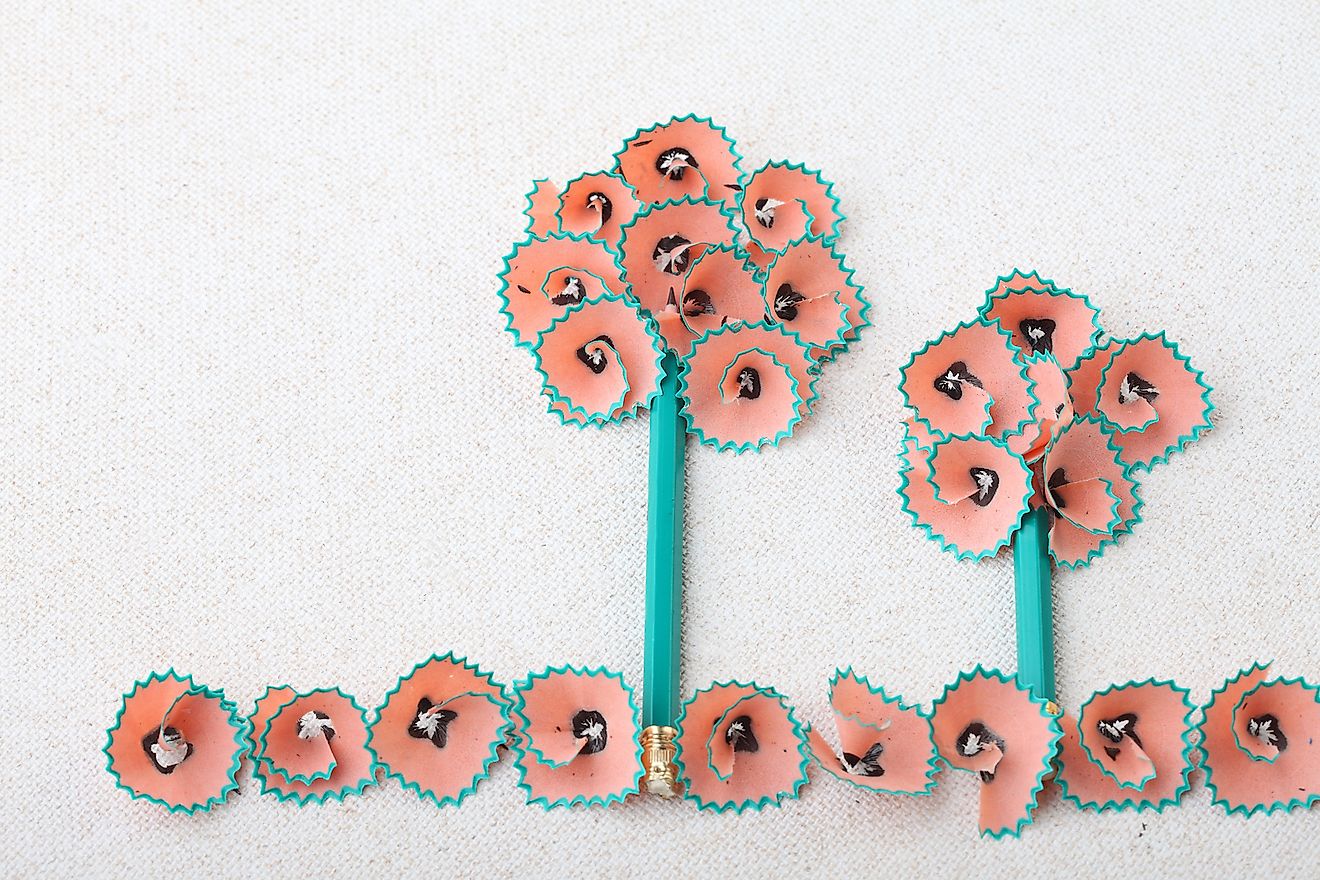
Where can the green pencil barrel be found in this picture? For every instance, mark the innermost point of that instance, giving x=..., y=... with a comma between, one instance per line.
x=1035, y=615
x=664, y=554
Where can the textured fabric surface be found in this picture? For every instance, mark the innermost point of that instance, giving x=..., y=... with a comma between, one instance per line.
x=260, y=421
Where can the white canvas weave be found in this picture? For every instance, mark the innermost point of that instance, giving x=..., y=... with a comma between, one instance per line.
x=260, y=420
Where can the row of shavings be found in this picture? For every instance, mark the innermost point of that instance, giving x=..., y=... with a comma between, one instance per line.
x=673, y=248
x=1029, y=407
x=575, y=734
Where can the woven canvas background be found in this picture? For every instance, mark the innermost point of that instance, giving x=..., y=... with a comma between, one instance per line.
x=260, y=420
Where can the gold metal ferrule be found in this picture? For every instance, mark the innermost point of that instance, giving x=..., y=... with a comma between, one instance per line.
x=660, y=776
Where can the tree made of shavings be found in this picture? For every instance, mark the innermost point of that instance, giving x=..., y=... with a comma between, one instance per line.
x=674, y=281
x=1030, y=428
